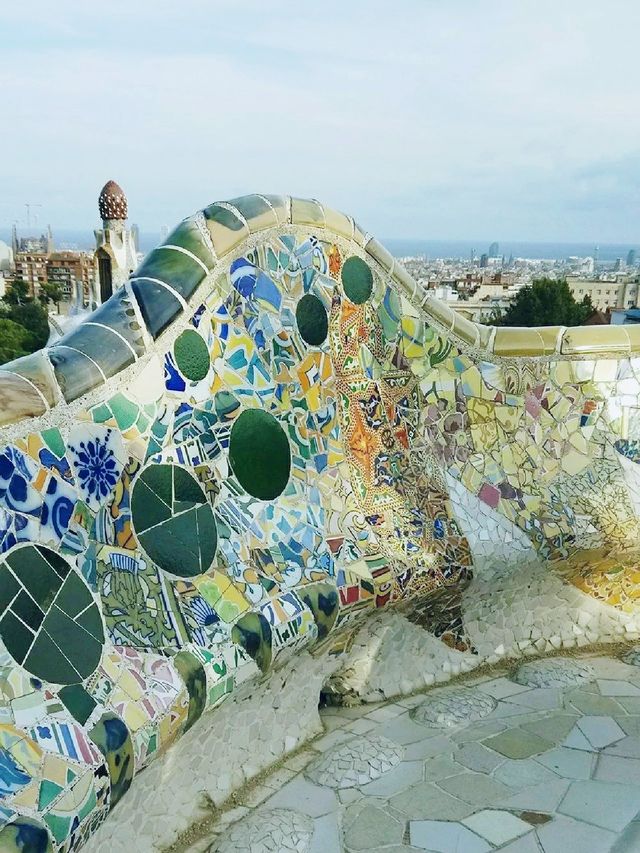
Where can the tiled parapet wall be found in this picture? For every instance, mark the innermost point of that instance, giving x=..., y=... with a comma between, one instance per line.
x=270, y=432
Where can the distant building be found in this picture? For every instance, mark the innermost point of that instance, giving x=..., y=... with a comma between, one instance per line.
x=484, y=261
x=32, y=245
x=494, y=250
x=30, y=258
x=115, y=255
x=74, y=272
x=616, y=292
x=480, y=311
x=631, y=258
x=31, y=267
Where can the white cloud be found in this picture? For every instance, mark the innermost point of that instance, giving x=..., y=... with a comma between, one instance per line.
x=423, y=118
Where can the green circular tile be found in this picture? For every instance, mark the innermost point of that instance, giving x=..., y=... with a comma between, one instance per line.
x=259, y=454
x=357, y=280
x=312, y=320
x=173, y=521
x=192, y=355
x=51, y=624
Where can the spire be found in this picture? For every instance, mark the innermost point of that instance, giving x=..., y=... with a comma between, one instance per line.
x=112, y=202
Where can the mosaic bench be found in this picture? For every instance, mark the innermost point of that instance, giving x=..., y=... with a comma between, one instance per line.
x=269, y=433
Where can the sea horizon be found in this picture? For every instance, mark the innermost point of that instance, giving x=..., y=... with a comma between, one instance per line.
x=83, y=240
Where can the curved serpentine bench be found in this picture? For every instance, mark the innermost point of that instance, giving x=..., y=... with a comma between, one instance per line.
x=268, y=433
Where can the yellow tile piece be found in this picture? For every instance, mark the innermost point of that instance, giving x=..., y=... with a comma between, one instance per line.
x=305, y=211
x=561, y=372
x=508, y=417
x=28, y=796
x=595, y=339
x=465, y=329
x=440, y=312
x=551, y=337
x=28, y=754
x=573, y=463
x=212, y=585
x=517, y=341
x=55, y=768
x=132, y=714
x=231, y=604
x=359, y=568
x=130, y=685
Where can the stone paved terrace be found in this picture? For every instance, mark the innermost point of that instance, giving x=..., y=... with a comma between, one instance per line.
x=540, y=759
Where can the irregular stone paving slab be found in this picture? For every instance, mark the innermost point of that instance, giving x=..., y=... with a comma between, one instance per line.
x=369, y=827
x=267, y=831
x=497, y=826
x=453, y=706
x=600, y=731
x=554, y=672
x=518, y=744
x=570, y=763
x=565, y=835
x=606, y=804
x=475, y=788
x=357, y=762
x=442, y=836
x=616, y=687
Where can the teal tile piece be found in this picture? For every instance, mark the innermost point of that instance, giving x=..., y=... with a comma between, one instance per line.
x=157, y=304
x=27, y=610
x=101, y=345
x=75, y=372
x=77, y=701
x=73, y=596
x=187, y=235
x=16, y=636
x=175, y=268
x=37, y=574
x=119, y=314
x=9, y=587
x=46, y=661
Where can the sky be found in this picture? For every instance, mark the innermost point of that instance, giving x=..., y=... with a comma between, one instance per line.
x=434, y=119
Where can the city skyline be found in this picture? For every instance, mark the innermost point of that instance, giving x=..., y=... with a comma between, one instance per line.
x=486, y=122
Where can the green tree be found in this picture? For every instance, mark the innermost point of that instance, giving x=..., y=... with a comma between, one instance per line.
x=546, y=302
x=14, y=340
x=18, y=293
x=51, y=291
x=24, y=323
x=34, y=319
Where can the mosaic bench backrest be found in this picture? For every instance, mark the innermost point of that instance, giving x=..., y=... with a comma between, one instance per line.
x=264, y=435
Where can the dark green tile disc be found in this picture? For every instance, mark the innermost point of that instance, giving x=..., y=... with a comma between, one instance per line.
x=173, y=520
x=259, y=454
x=312, y=320
x=58, y=636
x=357, y=279
x=192, y=355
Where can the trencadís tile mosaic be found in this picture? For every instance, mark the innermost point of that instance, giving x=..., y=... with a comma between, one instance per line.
x=246, y=450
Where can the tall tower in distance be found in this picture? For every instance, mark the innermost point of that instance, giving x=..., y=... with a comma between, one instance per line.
x=115, y=255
